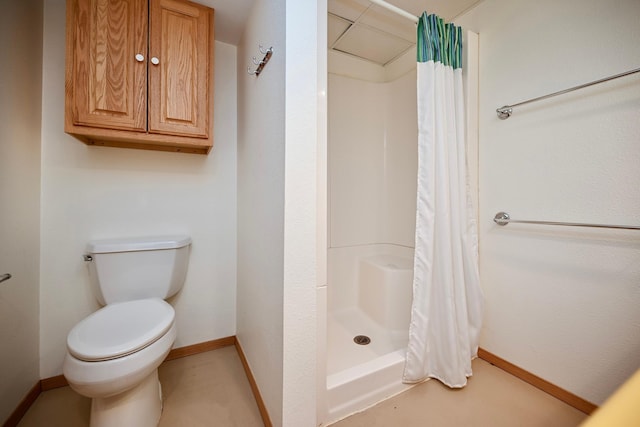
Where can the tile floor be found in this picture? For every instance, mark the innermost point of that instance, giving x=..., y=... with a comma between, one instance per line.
x=211, y=389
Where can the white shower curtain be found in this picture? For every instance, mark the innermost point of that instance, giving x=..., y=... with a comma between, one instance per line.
x=447, y=299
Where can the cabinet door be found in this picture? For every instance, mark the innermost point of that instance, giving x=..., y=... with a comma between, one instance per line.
x=179, y=56
x=109, y=83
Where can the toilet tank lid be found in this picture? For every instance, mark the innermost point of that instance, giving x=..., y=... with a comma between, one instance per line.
x=138, y=244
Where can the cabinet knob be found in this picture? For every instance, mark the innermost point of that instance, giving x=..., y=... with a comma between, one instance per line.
x=155, y=61
x=139, y=57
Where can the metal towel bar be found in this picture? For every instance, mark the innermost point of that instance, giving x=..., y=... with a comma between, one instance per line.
x=503, y=218
x=506, y=111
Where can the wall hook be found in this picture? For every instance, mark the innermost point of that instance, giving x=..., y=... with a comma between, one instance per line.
x=267, y=55
x=265, y=51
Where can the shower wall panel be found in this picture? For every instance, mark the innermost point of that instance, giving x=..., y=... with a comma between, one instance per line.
x=372, y=141
x=372, y=161
x=356, y=161
x=400, y=161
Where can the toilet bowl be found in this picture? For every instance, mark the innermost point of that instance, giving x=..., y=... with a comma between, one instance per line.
x=113, y=355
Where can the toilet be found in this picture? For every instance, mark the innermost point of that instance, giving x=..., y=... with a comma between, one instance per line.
x=113, y=354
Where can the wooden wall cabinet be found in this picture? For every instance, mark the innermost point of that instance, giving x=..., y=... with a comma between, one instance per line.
x=139, y=74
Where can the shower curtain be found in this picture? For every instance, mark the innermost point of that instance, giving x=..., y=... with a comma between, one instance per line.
x=447, y=301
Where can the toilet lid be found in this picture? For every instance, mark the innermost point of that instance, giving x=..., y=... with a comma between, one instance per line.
x=120, y=329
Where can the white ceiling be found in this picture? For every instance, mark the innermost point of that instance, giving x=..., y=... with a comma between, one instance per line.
x=368, y=31
x=230, y=18
x=355, y=27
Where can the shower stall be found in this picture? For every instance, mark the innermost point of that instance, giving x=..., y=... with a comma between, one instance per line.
x=372, y=159
x=372, y=173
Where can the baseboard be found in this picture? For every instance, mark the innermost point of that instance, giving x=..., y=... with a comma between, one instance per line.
x=50, y=383
x=254, y=386
x=23, y=406
x=544, y=385
x=202, y=347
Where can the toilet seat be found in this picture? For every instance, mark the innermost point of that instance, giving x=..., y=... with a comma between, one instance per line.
x=120, y=329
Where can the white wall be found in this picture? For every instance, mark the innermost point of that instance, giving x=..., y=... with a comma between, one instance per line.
x=280, y=170
x=305, y=228
x=261, y=155
x=20, y=99
x=561, y=303
x=98, y=192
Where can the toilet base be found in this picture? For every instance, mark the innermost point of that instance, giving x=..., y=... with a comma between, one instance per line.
x=140, y=406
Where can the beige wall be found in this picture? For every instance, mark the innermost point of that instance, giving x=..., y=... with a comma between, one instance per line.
x=20, y=99
x=261, y=202
x=561, y=303
x=99, y=192
x=305, y=227
x=280, y=189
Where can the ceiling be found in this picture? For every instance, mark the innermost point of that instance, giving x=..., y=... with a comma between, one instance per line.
x=355, y=27
x=362, y=29
x=230, y=18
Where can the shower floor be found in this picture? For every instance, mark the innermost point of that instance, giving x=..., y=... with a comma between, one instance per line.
x=343, y=353
x=359, y=376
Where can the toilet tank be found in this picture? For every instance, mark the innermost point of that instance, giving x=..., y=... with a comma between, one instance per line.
x=136, y=268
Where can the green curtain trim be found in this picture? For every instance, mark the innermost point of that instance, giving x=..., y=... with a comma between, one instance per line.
x=439, y=42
